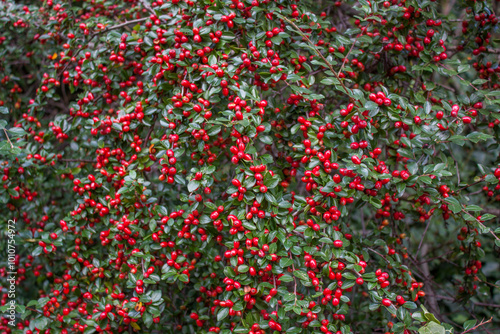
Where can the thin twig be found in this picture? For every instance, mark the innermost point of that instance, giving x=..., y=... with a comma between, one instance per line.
x=482, y=225
x=374, y=251
x=317, y=51
x=40, y=312
x=349, y=52
x=120, y=25
x=150, y=130
x=294, y=280
x=478, y=325
x=423, y=236
x=76, y=160
x=472, y=184
x=147, y=6
x=8, y=139
x=456, y=164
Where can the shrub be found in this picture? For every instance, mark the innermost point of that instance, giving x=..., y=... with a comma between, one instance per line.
x=259, y=166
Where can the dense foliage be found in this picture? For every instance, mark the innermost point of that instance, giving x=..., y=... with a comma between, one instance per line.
x=254, y=166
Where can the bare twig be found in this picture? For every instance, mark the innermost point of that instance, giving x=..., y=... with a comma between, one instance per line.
x=478, y=325
x=77, y=160
x=423, y=236
x=349, y=52
x=470, y=185
x=482, y=225
x=317, y=51
x=40, y=312
x=147, y=6
x=150, y=130
x=121, y=25
x=374, y=251
x=8, y=139
x=456, y=164
x=294, y=281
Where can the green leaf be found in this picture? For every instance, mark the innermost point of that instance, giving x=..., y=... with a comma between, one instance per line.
x=16, y=132
x=429, y=316
x=469, y=324
x=42, y=323
x=301, y=275
x=193, y=185
x=463, y=68
x=410, y=305
x=285, y=205
x=473, y=208
x=243, y=268
x=222, y=313
x=375, y=202
x=479, y=81
x=330, y=81
x=432, y=328
x=476, y=137
x=454, y=204
x=285, y=262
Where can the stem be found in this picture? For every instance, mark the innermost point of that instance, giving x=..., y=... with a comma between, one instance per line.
x=39, y=312
x=317, y=51
x=8, y=139
x=482, y=225
x=478, y=325
x=121, y=25
x=423, y=236
x=150, y=130
x=374, y=251
x=77, y=160
x=294, y=281
x=470, y=185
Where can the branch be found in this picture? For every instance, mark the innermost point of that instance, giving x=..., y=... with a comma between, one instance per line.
x=317, y=51
x=40, y=312
x=472, y=184
x=482, y=225
x=352, y=46
x=494, y=51
x=480, y=324
x=120, y=25
x=374, y=251
x=493, y=211
x=294, y=281
x=147, y=6
x=423, y=236
x=150, y=130
x=8, y=139
x=77, y=160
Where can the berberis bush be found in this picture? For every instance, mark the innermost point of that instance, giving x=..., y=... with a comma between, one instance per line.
x=253, y=166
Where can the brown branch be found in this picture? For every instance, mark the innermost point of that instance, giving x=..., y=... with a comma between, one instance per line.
x=374, y=251
x=352, y=46
x=494, y=51
x=472, y=184
x=478, y=325
x=317, y=51
x=493, y=211
x=150, y=130
x=294, y=281
x=423, y=236
x=8, y=139
x=147, y=6
x=77, y=160
x=120, y=25
x=39, y=312
x=482, y=225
